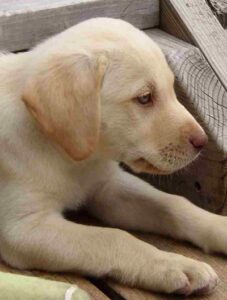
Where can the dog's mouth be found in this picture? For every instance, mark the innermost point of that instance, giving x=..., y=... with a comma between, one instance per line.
x=141, y=165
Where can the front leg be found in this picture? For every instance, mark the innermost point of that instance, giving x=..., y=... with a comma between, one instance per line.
x=42, y=239
x=127, y=202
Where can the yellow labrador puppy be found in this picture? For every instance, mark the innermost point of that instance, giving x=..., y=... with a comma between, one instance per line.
x=70, y=110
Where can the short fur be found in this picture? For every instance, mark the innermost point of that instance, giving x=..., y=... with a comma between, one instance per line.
x=69, y=112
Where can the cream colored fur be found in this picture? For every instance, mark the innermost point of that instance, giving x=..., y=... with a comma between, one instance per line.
x=69, y=112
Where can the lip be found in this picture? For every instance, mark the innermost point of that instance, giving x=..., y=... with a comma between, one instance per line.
x=141, y=165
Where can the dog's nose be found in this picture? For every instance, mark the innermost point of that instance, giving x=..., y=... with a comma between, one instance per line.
x=199, y=141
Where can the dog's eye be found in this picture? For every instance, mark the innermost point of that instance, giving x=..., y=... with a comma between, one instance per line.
x=144, y=99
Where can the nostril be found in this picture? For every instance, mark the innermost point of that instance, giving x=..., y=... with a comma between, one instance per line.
x=198, y=142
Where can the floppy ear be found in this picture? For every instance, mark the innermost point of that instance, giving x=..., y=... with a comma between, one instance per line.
x=63, y=96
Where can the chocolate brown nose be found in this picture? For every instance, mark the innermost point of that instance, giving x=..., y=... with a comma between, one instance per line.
x=199, y=141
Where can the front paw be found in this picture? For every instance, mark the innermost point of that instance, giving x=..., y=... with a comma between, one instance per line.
x=201, y=278
x=184, y=276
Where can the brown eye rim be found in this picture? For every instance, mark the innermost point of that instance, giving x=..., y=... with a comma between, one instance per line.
x=145, y=99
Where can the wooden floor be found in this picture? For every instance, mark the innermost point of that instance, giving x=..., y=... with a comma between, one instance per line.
x=104, y=290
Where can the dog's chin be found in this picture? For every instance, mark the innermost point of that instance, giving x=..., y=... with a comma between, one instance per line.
x=141, y=165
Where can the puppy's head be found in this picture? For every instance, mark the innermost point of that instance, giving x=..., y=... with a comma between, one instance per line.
x=105, y=87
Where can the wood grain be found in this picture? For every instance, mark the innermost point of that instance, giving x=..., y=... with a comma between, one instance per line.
x=25, y=23
x=198, y=23
x=220, y=10
x=171, y=24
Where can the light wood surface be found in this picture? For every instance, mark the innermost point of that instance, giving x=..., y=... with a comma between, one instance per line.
x=24, y=23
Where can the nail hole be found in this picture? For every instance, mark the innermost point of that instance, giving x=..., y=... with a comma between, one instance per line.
x=197, y=186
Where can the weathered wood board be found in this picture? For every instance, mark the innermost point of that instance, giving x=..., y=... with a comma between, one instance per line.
x=219, y=8
x=199, y=89
x=194, y=21
x=25, y=23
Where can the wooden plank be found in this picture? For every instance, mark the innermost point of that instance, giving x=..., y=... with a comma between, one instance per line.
x=220, y=10
x=200, y=25
x=171, y=24
x=200, y=91
x=25, y=23
x=95, y=294
x=218, y=263
x=129, y=293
